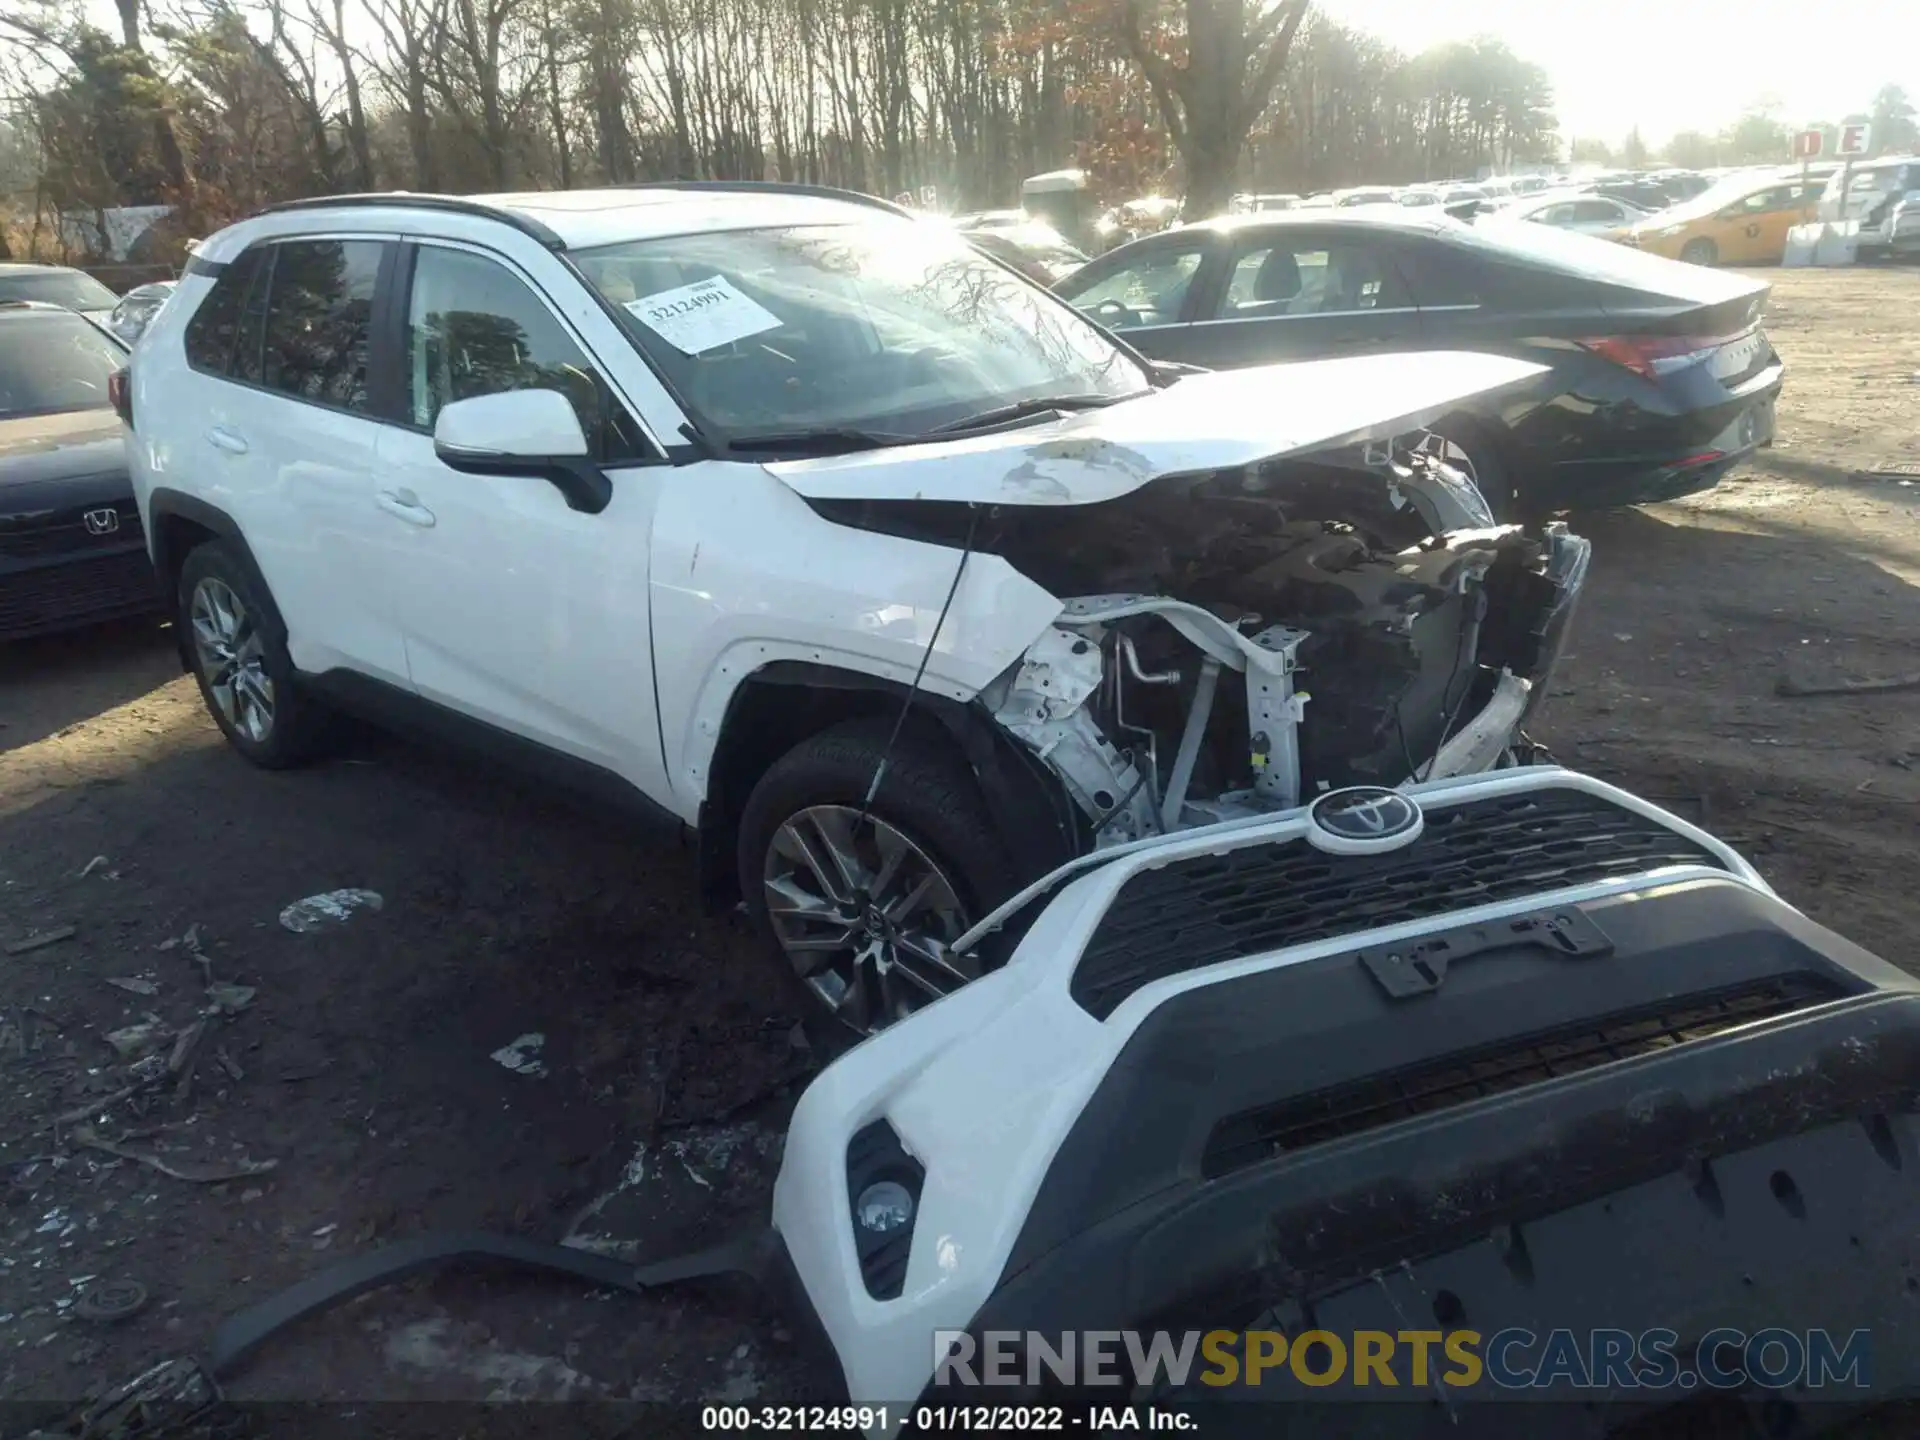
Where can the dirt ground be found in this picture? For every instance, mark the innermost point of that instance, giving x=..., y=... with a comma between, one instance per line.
x=361, y=1067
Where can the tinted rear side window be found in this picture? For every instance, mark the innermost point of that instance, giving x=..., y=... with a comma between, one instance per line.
x=210, y=334
x=319, y=314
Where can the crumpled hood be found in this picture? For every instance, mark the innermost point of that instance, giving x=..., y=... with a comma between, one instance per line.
x=1203, y=422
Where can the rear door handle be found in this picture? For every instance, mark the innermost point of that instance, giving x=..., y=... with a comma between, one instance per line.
x=404, y=506
x=226, y=440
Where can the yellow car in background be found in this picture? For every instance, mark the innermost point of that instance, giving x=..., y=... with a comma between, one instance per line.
x=1741, y=221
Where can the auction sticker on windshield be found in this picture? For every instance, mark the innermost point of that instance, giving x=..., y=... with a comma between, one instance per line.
x=702, y=316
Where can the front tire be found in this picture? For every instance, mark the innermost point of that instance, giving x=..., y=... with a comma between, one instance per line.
x=861, y=902
x=239, y=656
x=1700, y=252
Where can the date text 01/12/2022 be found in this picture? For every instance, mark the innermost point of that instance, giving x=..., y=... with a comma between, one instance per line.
x=968, y=1419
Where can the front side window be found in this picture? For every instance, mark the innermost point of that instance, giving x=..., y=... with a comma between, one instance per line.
x=889, y=326
x=319, y=309
x=1149, y=290
x=473, y=329
x=50, y=362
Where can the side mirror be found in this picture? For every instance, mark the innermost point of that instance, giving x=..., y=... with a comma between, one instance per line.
x=523, y=432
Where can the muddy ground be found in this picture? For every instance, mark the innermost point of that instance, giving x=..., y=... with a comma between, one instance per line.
x=360, y=1070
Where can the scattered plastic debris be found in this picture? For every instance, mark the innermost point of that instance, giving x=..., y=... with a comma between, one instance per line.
x=1789, y=686
x=438, y=1346
x=42, y=940
x=179, y=1170
x=98, y=862
x=133, y=984
x=334, y=907
x=230, y=999
x=138, y=1040
x=109, y=1301
x=189, y=941
x=522, y=1056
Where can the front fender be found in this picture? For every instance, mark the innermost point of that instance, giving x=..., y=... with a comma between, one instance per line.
x=786, y=585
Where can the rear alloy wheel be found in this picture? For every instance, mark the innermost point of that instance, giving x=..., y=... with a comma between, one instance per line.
x=227, y=645
x=240, y=659
x=862, y=902
x=1700, y=252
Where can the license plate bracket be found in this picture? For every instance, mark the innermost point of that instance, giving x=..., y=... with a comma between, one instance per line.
x=1419, y=967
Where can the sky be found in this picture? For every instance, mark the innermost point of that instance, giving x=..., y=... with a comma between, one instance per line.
x=1669, y=65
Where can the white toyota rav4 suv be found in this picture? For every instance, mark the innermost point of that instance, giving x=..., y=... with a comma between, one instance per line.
x=793, y=517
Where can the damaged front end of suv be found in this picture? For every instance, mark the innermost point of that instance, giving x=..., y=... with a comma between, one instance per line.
x=1234, y=638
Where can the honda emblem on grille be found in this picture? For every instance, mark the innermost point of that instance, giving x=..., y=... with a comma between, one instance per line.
x=1363, y=820
x=101, y=522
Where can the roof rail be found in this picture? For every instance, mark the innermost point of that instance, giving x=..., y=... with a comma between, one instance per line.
x=771, y=187
x=452, y=204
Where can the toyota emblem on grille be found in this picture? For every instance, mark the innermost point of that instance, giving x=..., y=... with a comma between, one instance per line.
x=1363, y=820
x=101, y=522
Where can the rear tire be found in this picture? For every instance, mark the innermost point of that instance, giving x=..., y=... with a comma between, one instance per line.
x=859, y=910
x=238, y=653
x=1700, y=252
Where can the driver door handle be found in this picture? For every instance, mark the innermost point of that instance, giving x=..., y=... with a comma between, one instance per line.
x=223, y=439
x=404, y=505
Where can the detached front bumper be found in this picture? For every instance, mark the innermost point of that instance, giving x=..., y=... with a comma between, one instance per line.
x=1612, y=1084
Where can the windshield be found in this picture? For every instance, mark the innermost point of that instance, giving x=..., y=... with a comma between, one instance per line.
x=51, y=362
x=72, y=288
x=888, y=326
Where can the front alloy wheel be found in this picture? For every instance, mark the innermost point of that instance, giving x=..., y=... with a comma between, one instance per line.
x=864, y=915
x=228, y=645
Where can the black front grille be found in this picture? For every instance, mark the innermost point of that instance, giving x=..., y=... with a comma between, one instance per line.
x=50, y=597
x=1256, y=1135
x=1263, y=897
x=66, y=533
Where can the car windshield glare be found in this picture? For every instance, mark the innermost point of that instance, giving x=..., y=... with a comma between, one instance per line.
x=885, y=326
x=51, y=362
x=74, y=289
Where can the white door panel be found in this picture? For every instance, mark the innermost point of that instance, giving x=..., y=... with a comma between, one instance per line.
x=328, y=555
x=519, y=611
x=525, y=614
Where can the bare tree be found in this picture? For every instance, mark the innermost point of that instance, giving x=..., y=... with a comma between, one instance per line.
x=1210, y=96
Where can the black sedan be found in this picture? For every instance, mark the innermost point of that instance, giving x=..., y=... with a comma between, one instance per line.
x=1660, y=378
x=71, y=548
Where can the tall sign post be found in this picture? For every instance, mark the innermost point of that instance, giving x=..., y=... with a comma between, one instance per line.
x=1854, y=140
x=1806, y=149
